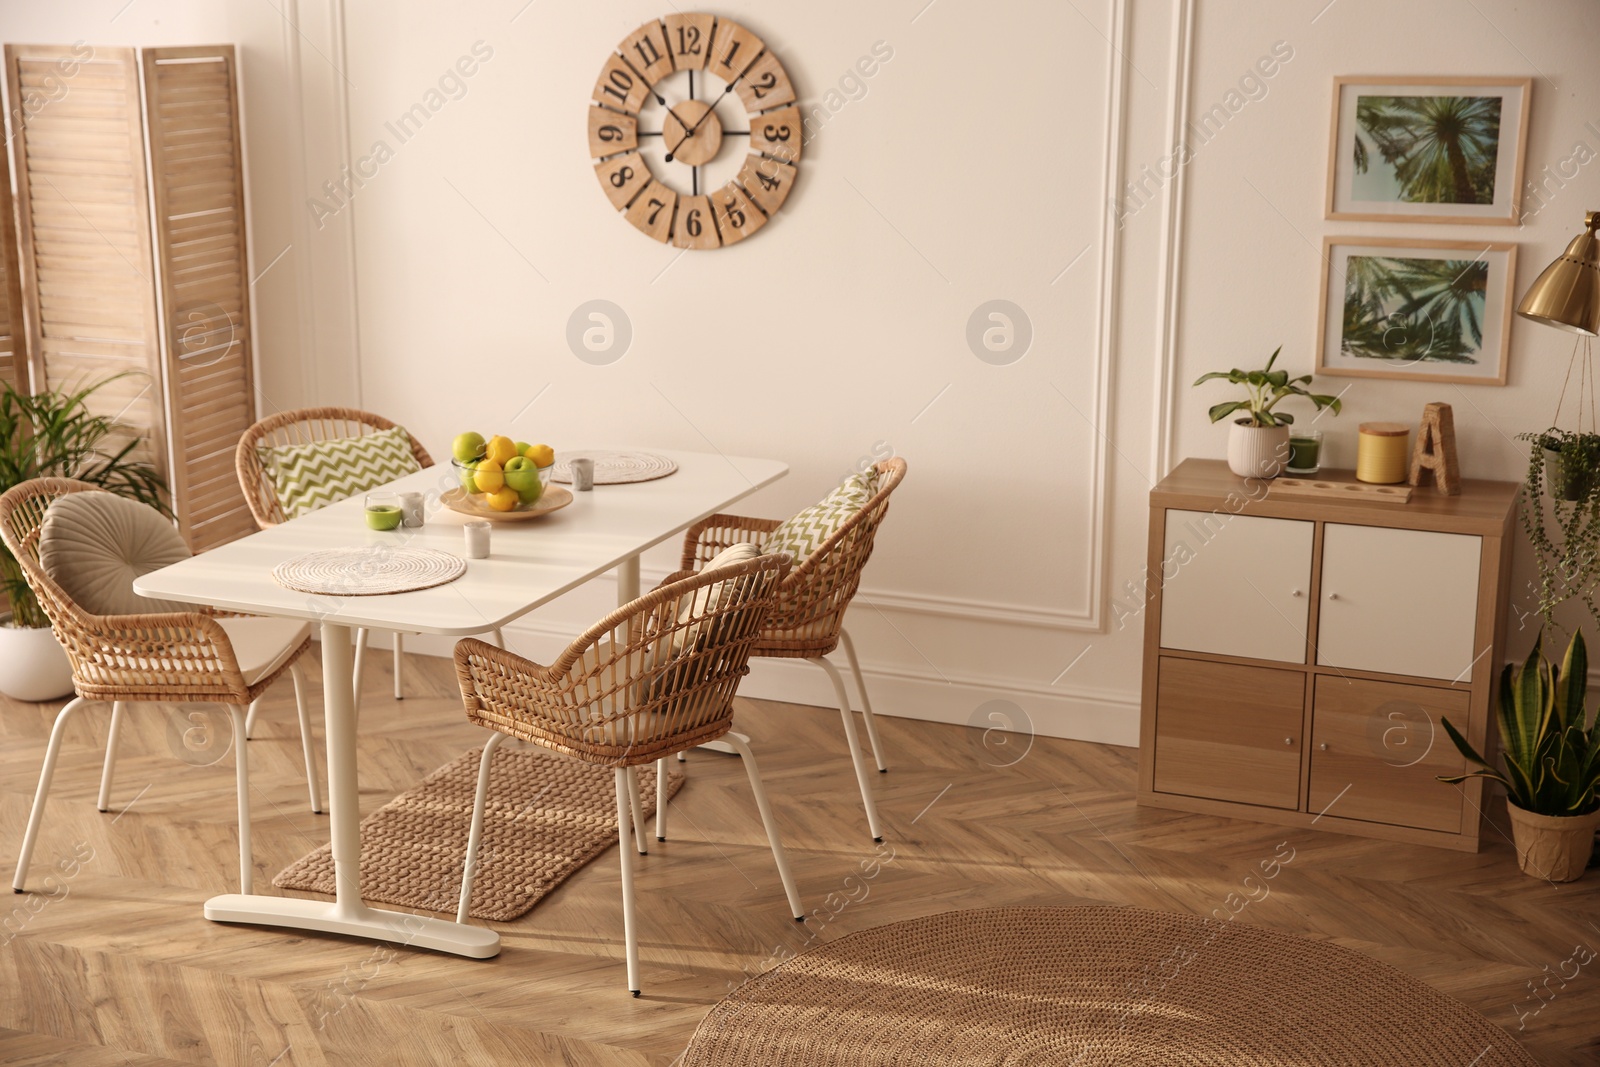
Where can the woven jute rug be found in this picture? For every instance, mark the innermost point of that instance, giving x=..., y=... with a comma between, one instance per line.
x=547, y=816
x=1089, y=987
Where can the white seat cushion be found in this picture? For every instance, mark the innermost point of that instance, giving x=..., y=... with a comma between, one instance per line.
x=261, y=645
x=94, y=544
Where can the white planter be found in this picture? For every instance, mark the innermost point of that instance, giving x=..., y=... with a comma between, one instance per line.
x=1257, y=451
x=33, y=665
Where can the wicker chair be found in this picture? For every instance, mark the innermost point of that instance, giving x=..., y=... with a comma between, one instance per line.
x=807, y=622
x=301, y=427
x=169, y=657
x=654, y=677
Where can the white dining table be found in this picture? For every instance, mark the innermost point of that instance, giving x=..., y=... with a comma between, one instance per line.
x=530, y=563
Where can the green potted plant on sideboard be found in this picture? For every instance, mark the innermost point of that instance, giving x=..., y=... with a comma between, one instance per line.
x=1551, y=755
x=54, y=434
x=1258, y=441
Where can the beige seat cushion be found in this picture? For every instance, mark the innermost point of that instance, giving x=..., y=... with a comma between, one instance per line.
x=94, y=544
x=262, y=645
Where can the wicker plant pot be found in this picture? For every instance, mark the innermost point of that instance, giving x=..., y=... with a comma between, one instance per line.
x=1257, y=451
x=33, y=665
x=1554, y=847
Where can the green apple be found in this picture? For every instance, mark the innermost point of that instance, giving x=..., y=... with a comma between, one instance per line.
x=522, y=448
x=468, y=446
x=467, y=481
x=523, y=476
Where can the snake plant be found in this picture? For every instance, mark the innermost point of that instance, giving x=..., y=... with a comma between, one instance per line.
x=1550, y=752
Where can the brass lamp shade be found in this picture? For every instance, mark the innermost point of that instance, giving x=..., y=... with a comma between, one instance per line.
x=1567, y=294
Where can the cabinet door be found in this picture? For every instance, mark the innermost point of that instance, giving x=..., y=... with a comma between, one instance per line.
x=1399, y=602
x=1377, y=747
x=1229, y=732
x=1236, y=585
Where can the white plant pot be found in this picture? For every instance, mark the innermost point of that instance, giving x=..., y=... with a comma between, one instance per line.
x=1257, y=451
x=33, y=665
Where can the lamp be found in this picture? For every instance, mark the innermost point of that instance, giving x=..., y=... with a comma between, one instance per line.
x=1567, y=294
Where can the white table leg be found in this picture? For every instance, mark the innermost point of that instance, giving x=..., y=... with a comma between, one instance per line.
x=348, y=913
x=628, y=581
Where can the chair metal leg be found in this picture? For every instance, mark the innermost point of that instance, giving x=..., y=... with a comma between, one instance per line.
x=46, y=772
x=306, y=747
x=110, y=767
x=637, y=807
x=866, y=704
x=661, y=798
x=630, y=932
x=770, y=823
x=469, y=868
x=355, y=673
x=241, y=767
x=862, y=778
x=250, y=719
x=399, y=660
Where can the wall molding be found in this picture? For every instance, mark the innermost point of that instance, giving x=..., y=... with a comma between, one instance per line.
x=1168, y=298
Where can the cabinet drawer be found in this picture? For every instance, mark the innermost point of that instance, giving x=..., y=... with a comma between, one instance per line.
x=1229, y=732
x=1236, y=585
x=1399, y=602
x=1376, y=748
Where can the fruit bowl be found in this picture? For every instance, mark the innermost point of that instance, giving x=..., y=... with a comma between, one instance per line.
x=488, y=490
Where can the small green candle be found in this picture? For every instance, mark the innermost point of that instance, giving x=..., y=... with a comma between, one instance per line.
x=383, y=517
x=1304, y=451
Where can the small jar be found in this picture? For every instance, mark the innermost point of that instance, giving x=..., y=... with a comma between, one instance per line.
x=383, y=511
x=1383, y=452
x=477, y=535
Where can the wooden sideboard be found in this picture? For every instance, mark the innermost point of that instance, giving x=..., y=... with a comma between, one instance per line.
x=1300, y=653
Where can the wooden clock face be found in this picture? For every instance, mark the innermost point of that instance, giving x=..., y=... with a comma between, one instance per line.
x=674, y=153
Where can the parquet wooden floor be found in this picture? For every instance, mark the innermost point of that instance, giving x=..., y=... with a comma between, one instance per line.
x=110, y=962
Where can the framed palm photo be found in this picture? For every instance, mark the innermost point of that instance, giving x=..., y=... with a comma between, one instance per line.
x=1428, y=149
x=1418, y=310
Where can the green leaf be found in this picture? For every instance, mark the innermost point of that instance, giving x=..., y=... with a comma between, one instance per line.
x=1279, y=379
x=1284, y=418
x=1274, y=358
x=1213, y=374
x=1222, y=411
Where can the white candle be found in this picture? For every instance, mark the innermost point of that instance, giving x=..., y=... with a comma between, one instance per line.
x=477, y=534
x=411, y=508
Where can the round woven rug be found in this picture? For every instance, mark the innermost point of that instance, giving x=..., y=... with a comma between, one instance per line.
x=1089, y=987
x=615, y=468
x=371, y=570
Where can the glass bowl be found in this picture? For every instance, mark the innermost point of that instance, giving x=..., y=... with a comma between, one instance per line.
x=528, y=482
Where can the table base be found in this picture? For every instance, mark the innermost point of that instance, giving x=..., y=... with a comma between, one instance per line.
x=412, y=931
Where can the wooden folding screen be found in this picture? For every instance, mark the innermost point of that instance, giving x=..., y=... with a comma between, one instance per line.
x=13, y=347
x=198, y=180
x=109, y=286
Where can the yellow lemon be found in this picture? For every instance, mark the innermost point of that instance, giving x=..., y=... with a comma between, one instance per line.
x=503, y=500
x=500, y=449
x=542, y=455
x=489, y=477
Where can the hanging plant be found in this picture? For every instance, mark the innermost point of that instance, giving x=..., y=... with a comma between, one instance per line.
x=1561, y=501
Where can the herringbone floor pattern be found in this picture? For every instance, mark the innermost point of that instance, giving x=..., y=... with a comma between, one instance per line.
x=110, y=962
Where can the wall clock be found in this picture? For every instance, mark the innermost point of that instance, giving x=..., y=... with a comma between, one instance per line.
x=667, y=144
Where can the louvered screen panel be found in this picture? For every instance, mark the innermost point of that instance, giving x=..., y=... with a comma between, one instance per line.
x=196, y=173
x=88, y=290
x=13, y=343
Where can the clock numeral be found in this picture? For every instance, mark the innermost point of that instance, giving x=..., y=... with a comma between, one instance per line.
x=622, y=177
x=619, y=87
x=764, y=85
x=689, y=37
x=736, y=217
x=767, y=181
x=652, y=212
x=694, y=228
x=733, y=49
x=646, y=48
x=778, y=134
x=611, y=133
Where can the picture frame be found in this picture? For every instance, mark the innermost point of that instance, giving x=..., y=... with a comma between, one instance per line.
x=1414, y=309
x=1388, y=162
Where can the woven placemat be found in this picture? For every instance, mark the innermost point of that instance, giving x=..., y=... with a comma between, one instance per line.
x=615, y=468
x=1091, y=987
x=370, y=570
x=547, y=816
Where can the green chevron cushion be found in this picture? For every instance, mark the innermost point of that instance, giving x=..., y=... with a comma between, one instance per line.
x=805, y=532
x=311, y=476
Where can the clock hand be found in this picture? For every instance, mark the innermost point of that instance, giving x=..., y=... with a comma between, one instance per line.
x=691, y=130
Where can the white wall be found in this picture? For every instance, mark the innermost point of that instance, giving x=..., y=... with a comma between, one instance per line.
x=970, y=169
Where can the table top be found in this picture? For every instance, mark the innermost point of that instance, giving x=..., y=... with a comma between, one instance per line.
x=529, y=562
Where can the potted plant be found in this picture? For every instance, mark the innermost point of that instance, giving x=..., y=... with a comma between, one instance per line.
x=53, y=434
x=1571, y=461
x=1560, y=512
x=1552, y=762
x=1258, y=442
